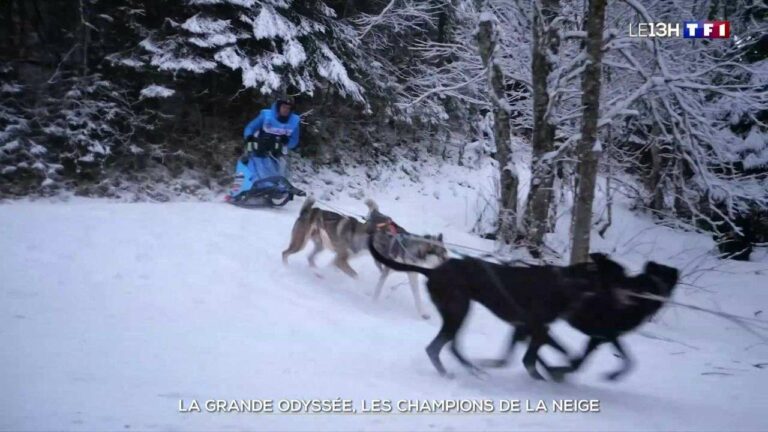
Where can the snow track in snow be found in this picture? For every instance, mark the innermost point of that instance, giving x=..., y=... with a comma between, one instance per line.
x=111, y=313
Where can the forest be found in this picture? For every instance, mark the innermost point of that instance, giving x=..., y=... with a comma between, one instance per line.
x=99, y=95
x=396, y=215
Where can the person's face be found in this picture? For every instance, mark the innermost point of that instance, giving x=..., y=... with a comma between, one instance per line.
x=285, y=110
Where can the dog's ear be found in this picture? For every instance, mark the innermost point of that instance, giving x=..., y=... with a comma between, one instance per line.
x=673, y=276
x=371, y=204
x=613, y=272
x=670, y=275
x=440, y=237
x=598, y=257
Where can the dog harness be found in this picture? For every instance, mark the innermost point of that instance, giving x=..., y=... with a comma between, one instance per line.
x=389, y=224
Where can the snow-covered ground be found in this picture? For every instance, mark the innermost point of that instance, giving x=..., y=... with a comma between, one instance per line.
x=111, y=313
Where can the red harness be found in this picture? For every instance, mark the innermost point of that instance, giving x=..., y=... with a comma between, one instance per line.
x=389, y=224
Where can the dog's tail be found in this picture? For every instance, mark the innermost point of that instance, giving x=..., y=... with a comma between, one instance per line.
x=307, y=206
x=372, y=206
x=395, y=265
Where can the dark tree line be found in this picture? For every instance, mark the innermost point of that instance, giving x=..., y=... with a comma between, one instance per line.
x=92, y=87
x=100, y=92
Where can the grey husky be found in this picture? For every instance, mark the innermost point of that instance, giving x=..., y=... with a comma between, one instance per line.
x=347, y=237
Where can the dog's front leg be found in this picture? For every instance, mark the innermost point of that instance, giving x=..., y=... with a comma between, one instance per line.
x=625, y=367
x=531, y=357
x=518, y=334
x=474, y=370
x=341, y=262
x=433, y=349
x=413, y=279
x=316, y=250
x=558, y=373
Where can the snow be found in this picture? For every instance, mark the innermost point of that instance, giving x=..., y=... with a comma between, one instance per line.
x=327, y=11
x=214, y=40
x=212, y=32
x=156, y=91
x=11, y=88
x=112, y=313
x=756, y=160
x=269, y=25
x=487, y=16
x=37, y=149
x=125, y=61
x=597, y=147
x=10, y=146
x=230, y=57
x=294, y=53
x=261, y=73
x=332, y=68
x=760, y=73
x=204, y=25
x=756, y=140
x=167, y=61
x=149, y=45
x=243, y=3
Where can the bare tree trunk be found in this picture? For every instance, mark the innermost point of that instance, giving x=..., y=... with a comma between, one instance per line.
x=507, y=219
x=86, y=36
x=588, y=149
x=546, y=42
x=654, y=180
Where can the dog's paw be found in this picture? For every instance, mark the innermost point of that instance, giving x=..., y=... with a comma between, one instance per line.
x=493, y=363
x=478, y=373
x=613, y=376
x=558, y=373
x=448, y=375
x=535, y=374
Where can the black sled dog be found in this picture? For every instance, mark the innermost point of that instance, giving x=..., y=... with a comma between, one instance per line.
x=604, y=320
x=531, y=297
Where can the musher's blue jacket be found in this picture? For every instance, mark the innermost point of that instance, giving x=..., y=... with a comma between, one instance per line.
x=268, y=122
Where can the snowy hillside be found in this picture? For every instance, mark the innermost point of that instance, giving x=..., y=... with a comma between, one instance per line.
x=111, y=313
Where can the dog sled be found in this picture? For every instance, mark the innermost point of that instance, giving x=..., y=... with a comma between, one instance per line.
x=259, y=183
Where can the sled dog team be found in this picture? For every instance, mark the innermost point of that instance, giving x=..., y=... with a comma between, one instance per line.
x=596, y=298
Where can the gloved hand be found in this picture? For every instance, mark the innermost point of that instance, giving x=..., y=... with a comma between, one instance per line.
x=283, y=139
x=244, y=157
x=250, y=143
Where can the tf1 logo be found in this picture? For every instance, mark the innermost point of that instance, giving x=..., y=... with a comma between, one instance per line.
x=689, y=29
x=707, y=29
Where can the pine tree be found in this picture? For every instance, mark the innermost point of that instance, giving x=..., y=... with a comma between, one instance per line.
x=276, y=46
